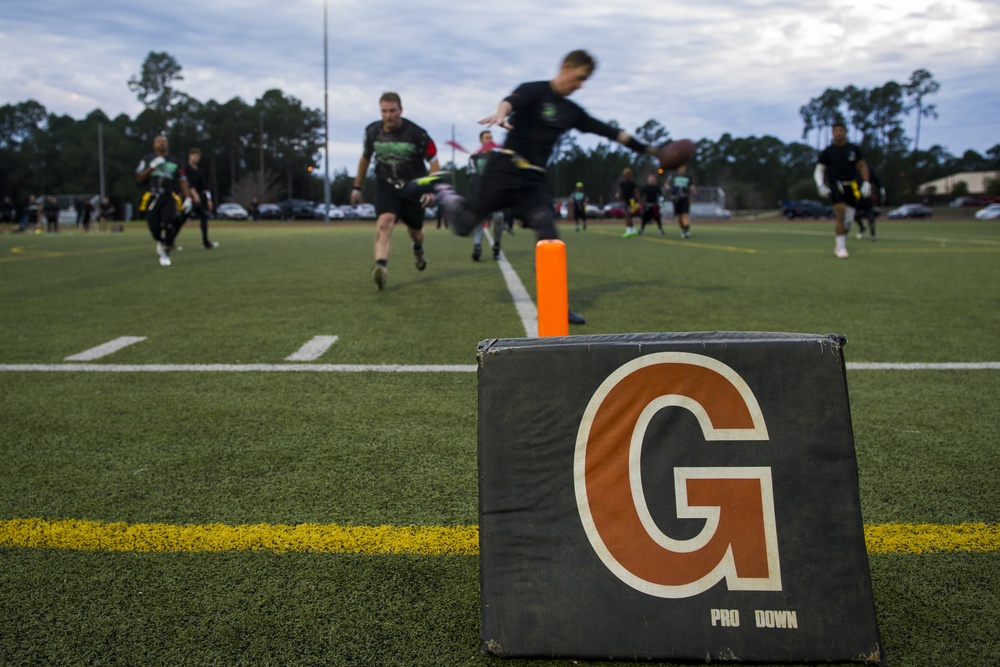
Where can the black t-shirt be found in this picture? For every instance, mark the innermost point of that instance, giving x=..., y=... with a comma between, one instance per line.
x=195, y=177
x=627, y=190
x=650, y=193
x=841, y=161
x=400, y=155
x=166, y=177
x=540, y=117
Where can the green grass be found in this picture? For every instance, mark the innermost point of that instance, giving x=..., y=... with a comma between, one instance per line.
x=366, y=449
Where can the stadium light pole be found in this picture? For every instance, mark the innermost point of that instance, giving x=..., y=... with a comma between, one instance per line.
x=326, y=119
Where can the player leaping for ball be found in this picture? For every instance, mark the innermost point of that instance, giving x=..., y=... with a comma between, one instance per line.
x=539, y=113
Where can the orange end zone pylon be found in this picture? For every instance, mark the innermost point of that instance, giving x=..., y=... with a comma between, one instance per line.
x=551, y=287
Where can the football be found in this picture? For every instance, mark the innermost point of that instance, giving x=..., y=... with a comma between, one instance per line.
x=676, y=153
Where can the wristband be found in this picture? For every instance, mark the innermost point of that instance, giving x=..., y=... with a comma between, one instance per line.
x=636, y=145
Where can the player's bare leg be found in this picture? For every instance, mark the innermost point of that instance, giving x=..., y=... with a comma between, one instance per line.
x=383, y=243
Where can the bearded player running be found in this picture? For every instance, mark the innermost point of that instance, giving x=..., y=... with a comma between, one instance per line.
x=834, y=175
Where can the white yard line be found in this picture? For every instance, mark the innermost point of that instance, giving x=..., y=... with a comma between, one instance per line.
x=945, y=366
x=107, y=348
x=238, y=368
x=313, y=350
x=526, y=308
x=394, y=368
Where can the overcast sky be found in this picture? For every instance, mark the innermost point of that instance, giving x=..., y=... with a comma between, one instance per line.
x=700, y=68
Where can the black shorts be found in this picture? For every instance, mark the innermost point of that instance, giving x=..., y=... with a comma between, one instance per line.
x=650, y=212
x=507, y=185
x=389, y=200
x=844, y=192
x=682, y=205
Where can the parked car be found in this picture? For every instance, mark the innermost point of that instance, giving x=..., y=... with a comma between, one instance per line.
x=366, y=211
x=616, y=209
x=297, y=209
x=991, y=212
x=966, y=201
x=806, y=208
x=320, y=212
x=269, y=211
x=231, y=211
x=910, y=211
x=710, y=210
x=350, y=213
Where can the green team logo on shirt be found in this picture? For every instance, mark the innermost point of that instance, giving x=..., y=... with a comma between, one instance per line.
x=395, y=153
x=549, y=111
x=165, y=170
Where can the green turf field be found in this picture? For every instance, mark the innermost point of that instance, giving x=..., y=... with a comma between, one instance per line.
x=158, y=510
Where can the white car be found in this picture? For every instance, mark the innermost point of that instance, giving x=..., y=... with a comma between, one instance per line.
x=335, y=212
x=231, y=211
x=991, y=212
x=366, y=211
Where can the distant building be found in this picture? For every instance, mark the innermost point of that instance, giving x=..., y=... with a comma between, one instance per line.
x=975, y=180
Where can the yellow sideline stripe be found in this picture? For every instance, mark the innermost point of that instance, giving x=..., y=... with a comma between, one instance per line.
x=158, y=537
x=893, y=538
x=919, y=538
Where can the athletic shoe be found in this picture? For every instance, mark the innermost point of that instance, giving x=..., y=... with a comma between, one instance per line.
x=210, y=245
x=662, y=233
x=425, y=184
x=841, y=253
x=574, y=318
x=419, y=259
x=496, y=252
x=160, y=248
x=380, y=275
x=686, y=234
x=860, y=235
x=477, y=252
x=874, y=238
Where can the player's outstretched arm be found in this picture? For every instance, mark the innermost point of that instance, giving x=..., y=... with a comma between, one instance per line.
x=499, y=117
x=630, y=142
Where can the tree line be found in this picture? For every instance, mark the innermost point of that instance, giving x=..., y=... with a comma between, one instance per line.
x=266, y=149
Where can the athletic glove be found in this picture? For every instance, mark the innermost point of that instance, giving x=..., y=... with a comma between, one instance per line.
x=186, y=206
x=866, y=190
x=157, y=161
x=824, y=191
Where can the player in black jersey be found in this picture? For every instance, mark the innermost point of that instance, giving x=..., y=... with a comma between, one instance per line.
x=866, y=206
x=165, y=181
x=538, y=113
x=835, y=172
x=201, y=196
x=649, y=195
x=626, y=192
x=400, y=148
x=681, y=188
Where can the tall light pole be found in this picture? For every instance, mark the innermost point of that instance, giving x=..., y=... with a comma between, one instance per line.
x=326, y=121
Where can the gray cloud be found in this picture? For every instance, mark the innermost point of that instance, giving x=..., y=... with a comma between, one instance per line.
x=738, y=66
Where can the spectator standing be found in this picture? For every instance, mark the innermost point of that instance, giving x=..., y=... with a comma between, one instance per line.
x=8, y=213
x=201, y=197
